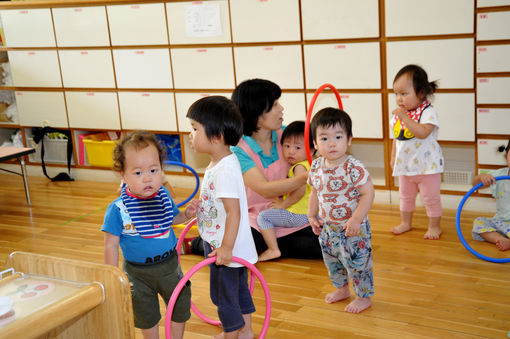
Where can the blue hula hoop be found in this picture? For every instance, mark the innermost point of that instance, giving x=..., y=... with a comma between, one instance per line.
x=178, y=163
x=459, y=231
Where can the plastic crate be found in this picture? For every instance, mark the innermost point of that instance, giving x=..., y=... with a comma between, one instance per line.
x=172, y=143
x=55, y=151
x=99, y=153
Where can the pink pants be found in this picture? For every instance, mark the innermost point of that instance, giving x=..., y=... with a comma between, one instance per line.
x=429, y=186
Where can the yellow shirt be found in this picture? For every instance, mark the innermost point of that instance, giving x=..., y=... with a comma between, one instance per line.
x=300, y=207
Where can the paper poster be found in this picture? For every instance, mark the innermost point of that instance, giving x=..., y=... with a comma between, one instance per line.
x=202, y=20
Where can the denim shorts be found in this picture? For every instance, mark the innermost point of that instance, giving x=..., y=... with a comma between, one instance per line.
x=147, y=281
x=230, y=293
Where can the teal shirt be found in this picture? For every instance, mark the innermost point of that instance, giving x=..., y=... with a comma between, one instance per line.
x=245, y=160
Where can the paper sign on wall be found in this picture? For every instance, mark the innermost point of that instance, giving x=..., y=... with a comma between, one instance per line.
x=202, y=20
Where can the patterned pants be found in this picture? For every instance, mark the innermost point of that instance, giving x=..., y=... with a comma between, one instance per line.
x=274, y=217
x=484, y=225
x=349, y=257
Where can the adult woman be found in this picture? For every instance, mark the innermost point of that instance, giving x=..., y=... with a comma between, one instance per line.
x=264, y=169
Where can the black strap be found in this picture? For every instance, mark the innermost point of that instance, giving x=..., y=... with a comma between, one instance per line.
x=38, y=135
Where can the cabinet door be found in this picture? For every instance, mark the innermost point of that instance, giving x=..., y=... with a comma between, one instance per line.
x=493, y=90
x=294, y=107
x=36, y=68
x=87, y=68
x=340, y=19
x=28, y=27
x=269, y=20
x=451, y=61
x=493, y=120
x=203, y=67
x=488, y=151
x=434, y=16
x=280, y=64
x=150, y=28
x=493, y=26
x=492, y=3
x=37, y=108
x=86, y=109
x=183, y=103
x=365, y=110
x=493, y=58
x=81, y=26
x=355, y=65
x=142, y=68
x=198, y=22
x=148, y=110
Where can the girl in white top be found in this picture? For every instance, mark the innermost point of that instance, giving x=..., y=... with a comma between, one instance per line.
x=416, y=156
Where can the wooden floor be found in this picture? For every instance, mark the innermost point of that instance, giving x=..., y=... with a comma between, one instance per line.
x=423, y=289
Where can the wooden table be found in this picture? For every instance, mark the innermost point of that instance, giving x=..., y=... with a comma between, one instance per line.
x=8, y=153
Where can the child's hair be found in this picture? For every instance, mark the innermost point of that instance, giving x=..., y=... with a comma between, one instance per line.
x=139, y=139
x=421, y=83
x=220, y=118
x=295, y=129
x=255, y=97
x=330, y=117
x=502, y=148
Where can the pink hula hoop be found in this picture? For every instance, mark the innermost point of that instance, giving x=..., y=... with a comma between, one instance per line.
x=194, y=269
x=309, y=116
x=193, y=307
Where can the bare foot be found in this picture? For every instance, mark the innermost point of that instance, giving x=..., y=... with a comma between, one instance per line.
x=269, y=255
x=401, y=229
x=503, y=244
x=340, y=294
x=248, y=334
x=433, y=233
x=358, y=305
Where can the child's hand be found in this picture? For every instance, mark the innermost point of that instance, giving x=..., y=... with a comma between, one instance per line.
x=400, y=112
x=223, y=255
x=351, y=228
x=487, y=179
x=316, y=224
x=277, y=203
x=192, y=208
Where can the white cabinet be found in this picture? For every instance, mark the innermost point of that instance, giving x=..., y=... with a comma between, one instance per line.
x=340, y=19
x=81, y=26
x=493, y=90
x=493, y=58
x=147, y=110
x=450, y=61
x=294, y=107
x=38, y=108
x=493, y=120
x=28, y=27
x=34, y=68
x=493, y=26
x=269, y=20
x=143, y=68
x=492, y=3
x=87, y=68
x=353, y=65
x=280, y=64
x=137, y=24
x=365, y=110
x=93, y=110
x=203, y=67
x=488, y=151
x=432, y=17
x=198, y=22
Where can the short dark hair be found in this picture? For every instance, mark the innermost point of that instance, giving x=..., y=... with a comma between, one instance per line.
x=296, y=129
x=139, y=139
x=255, y=97
x=220, y=118
x=330, y=117
x=421, y=82
x=502, y=148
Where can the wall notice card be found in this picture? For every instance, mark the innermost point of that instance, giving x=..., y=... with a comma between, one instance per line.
x=202, y=20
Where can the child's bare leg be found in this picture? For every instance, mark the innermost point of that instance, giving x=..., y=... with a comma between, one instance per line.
x=177, y=329
x=244, y=333
x=358, y=305
x=405, y=224
x=273, y=251
x=434, y=231
x=153, y=332
x=502, y=242
x=340, y=294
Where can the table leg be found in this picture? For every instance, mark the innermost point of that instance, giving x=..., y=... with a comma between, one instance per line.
x=25, y=182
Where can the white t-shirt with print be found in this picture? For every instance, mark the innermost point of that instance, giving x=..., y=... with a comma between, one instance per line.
x=420, y=156
x=225, y=180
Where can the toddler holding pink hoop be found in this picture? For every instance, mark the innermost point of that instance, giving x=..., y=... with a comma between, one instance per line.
x=222, y=217
x=496, y=230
